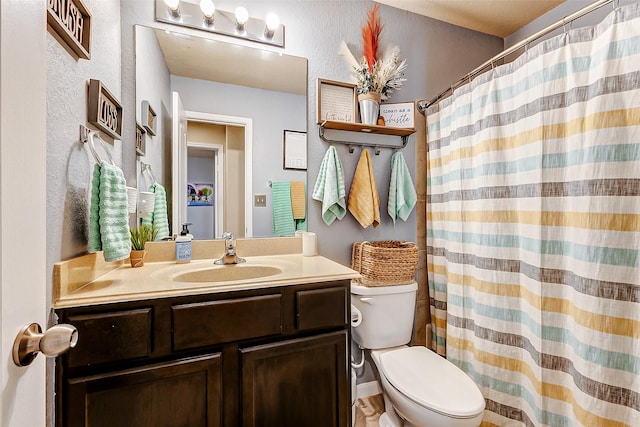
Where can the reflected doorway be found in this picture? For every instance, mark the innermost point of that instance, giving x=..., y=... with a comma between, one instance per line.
x=205, y=189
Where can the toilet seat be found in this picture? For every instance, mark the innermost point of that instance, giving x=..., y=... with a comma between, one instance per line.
x=431, y=381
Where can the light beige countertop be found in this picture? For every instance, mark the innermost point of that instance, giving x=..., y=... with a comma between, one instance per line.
x=158, y=279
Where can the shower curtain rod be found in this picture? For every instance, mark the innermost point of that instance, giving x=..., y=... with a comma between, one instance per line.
x=423, y=105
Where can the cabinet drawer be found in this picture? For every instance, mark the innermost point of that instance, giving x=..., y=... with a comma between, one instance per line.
x=321, y=308
x=214, y=322
x=111, y=337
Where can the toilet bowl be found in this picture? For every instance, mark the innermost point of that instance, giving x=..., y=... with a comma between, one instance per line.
x=420, y=388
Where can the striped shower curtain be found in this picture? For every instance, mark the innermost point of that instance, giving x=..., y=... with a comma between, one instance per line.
x=533, y=230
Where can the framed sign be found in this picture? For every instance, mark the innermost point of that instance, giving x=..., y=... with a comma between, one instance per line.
x=104, y=110
x=70, y=23
x=399, y=115
x=337, y=101
x=294, y=150
x=148, y=118
x=140, y=140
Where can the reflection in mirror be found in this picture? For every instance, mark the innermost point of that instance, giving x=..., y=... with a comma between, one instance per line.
x=225, y=144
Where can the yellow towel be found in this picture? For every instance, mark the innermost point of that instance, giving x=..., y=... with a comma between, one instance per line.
x=298, y=200
x=364, y=201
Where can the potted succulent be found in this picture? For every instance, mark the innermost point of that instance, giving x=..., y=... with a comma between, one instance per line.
x=139, y=237
x=376, y=77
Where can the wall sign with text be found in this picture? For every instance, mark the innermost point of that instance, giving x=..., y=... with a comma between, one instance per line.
x=70, y=22
x=399, y=115
x=105, y=111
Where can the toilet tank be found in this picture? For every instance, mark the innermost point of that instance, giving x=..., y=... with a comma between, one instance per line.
x=387, y=314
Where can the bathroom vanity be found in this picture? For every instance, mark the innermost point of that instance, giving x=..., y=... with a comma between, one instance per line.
x=273, y=354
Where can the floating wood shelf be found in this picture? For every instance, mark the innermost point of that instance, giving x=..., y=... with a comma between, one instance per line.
x=359, y=127
x=403, y=133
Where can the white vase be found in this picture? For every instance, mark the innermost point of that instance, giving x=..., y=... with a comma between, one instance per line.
x=369, y=107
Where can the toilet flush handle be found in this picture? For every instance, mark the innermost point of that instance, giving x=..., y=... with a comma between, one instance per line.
x=367, y=300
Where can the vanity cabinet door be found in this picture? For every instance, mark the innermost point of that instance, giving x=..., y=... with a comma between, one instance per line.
x=299, y=382
x=184, y=392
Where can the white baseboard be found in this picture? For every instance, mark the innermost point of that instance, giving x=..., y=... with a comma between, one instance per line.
x=368, y=389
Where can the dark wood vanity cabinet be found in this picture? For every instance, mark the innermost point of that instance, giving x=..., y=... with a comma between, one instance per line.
x=265, y=357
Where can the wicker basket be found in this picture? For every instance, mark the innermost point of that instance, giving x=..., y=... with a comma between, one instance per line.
x=383, y=263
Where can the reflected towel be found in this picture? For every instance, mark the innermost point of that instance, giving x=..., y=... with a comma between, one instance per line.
x=364, y=201
x=282, y=218
x=159, y=217
x=329, y=188
x=402, y=193
x=109, y=215
x=298, y=199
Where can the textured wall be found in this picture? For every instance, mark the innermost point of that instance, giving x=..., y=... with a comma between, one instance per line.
x=69, y=164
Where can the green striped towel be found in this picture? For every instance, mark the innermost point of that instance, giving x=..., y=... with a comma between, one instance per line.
x=329, y=188
x=159, y=217
x=108, y=215
x=283, y=222
x=402, y=194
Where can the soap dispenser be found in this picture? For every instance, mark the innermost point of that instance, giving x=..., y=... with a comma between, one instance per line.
x=183, y=245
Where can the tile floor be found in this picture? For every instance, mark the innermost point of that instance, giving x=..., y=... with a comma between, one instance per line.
x=368, y=410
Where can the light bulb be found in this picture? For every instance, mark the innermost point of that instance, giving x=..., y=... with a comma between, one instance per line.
x=241, y=17
x=273, y=22
x=174, y=7
x=208, y=9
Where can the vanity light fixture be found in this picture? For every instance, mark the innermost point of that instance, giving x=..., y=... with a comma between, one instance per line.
x=204, y=16
x=208, y=9
x=174, y=7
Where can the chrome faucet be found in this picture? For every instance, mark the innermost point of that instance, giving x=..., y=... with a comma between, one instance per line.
x=230, y=256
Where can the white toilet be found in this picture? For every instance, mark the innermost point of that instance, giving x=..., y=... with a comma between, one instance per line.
x=420, y=388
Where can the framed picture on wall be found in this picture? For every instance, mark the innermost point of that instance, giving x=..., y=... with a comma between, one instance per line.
x=149, y=118
x=294, y=150
x=337, y=101
x=140, y=140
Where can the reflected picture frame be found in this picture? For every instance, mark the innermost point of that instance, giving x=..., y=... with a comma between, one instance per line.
x=294, y=150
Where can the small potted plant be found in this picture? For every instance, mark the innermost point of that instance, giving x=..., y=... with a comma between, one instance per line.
x=139, y=237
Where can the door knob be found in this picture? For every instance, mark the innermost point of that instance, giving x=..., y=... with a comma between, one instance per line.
x=55, y=341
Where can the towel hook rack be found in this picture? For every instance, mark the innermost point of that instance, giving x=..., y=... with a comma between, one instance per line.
x=352, y=144
x=88, y=137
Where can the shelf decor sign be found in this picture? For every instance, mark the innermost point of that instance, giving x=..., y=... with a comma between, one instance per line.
x=70, y=23
x=399, y=115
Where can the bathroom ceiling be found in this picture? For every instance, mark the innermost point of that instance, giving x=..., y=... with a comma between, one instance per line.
x=496, y=17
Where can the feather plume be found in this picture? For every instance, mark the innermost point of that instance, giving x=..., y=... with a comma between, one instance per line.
x=371, y=36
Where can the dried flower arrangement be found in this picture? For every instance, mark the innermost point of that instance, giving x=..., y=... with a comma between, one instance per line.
x=373, y=74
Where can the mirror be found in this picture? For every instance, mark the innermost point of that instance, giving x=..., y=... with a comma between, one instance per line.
x=237, y=104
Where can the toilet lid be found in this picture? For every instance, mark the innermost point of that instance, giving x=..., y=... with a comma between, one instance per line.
x=432, y=381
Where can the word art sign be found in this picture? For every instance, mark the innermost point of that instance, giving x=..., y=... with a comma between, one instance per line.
x=399, y=115
x=105, y=112
x=71, y=22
